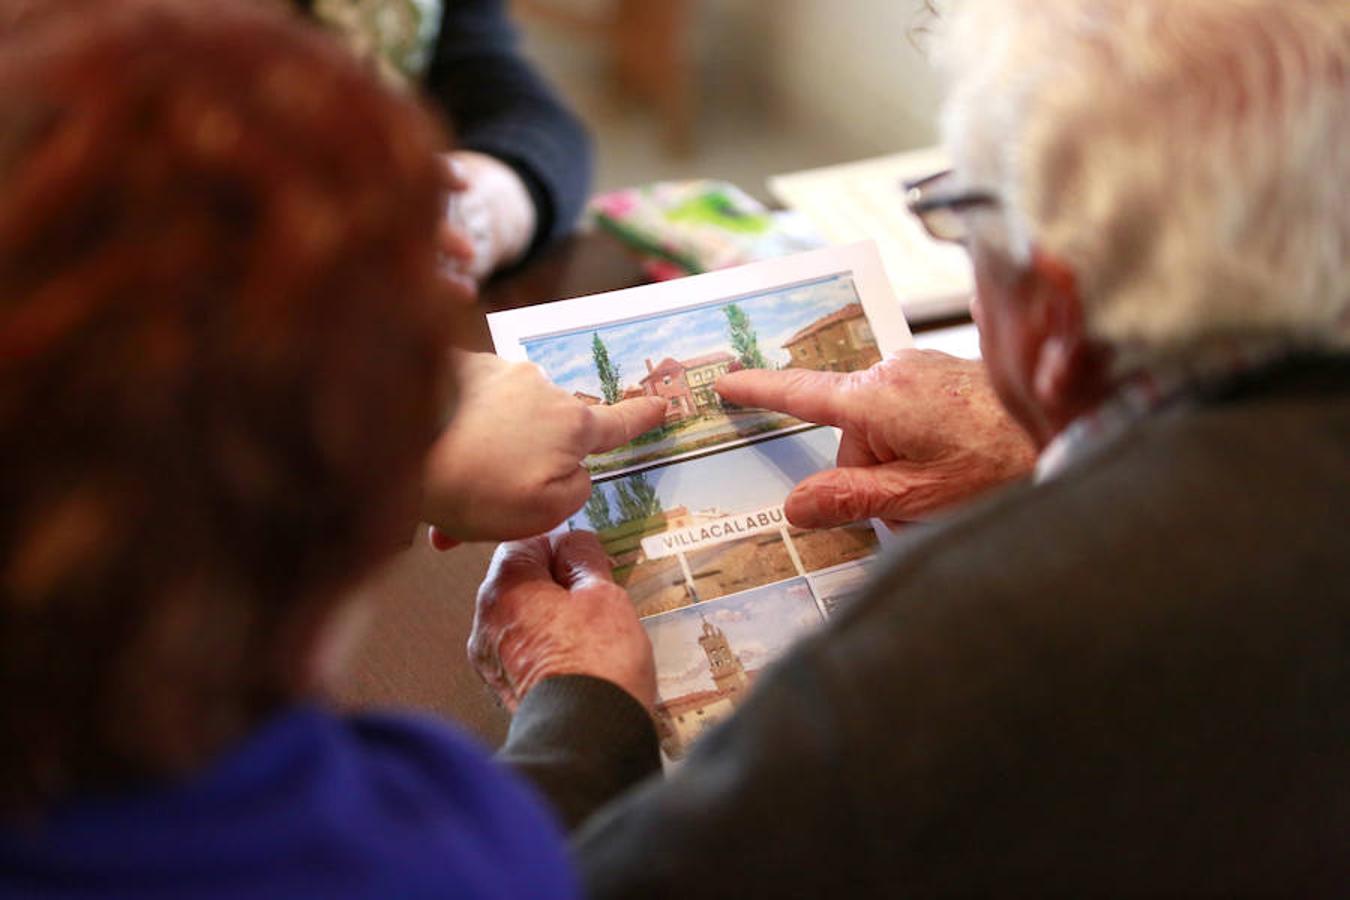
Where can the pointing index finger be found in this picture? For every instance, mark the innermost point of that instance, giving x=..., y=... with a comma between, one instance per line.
x=614, y=425
x=805, y=393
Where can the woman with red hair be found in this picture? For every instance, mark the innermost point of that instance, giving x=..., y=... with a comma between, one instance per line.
x=223, y=345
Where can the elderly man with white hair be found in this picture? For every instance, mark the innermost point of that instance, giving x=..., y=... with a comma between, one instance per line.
x=1129, y=673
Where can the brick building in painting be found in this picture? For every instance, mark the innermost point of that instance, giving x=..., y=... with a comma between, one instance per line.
x=700, y=373
x=839, y=342
x=687, y=385
x=667, y=381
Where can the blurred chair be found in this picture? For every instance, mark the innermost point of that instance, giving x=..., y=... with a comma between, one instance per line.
x=648, y=44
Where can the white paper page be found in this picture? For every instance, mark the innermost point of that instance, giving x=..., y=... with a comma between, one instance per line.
x=512, y=329
x=956, y=340
x=864, y=200
x=697, y=534
x=678, y=321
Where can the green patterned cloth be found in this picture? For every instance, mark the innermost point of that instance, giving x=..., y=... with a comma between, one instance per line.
x=397, y=35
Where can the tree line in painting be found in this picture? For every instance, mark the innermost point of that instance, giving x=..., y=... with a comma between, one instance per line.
x=740, y=332
x=634, y=497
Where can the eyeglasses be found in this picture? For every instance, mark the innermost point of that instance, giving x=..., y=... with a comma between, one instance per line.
x=938, y=204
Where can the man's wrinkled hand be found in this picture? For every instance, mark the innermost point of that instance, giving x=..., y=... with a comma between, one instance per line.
x=921, y=431
x=550, y=607
x=509, y=463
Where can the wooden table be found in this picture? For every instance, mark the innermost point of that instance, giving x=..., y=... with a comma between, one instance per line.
x=413, y=655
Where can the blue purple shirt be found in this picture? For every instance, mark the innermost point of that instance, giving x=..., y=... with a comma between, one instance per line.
x=310, y=805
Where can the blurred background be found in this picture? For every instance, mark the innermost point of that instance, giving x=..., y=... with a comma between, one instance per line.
x=736, y=89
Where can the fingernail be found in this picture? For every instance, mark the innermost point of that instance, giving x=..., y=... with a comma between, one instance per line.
x=440, y=541
x=802, y=510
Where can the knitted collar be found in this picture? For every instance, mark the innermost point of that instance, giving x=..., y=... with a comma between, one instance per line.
x=1150, y=391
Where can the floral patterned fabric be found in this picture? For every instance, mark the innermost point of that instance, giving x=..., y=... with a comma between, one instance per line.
x=396, y=35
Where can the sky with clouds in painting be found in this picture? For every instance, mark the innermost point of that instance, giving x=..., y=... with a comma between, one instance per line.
x=759, y=624
x=775, y=317
x=843, y=581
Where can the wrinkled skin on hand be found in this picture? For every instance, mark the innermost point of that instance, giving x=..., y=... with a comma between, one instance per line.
x=551, y=607
x=921, y=431
x=509, y=463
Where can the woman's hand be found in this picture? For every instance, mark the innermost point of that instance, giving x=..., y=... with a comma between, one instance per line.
x=509, y=464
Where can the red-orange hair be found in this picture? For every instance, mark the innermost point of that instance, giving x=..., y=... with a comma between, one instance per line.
x=221, y=345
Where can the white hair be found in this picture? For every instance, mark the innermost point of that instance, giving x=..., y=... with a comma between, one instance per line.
x=1188, y=159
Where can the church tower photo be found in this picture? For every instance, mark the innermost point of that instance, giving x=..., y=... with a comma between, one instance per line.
x=727, y=672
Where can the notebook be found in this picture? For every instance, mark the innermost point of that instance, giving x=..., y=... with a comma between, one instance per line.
x=865, y=200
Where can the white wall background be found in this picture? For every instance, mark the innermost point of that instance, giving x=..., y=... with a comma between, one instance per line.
x=782, y=85
x=852, y=68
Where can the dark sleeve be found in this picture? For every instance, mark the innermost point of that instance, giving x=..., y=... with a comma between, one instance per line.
x=499, y=105
x=745, y=814
x=1037, y=698
x=581, y=741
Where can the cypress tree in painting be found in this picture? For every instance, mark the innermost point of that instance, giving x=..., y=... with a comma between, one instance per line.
x=744, y=341
x=607, y=371
x=644, y=495
x=636, y=498
x=597, y=510
x=629, y=507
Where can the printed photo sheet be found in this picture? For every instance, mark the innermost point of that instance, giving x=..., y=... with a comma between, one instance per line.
x=692, y=512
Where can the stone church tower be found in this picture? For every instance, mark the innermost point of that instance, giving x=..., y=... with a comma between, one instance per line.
x=727, y=672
